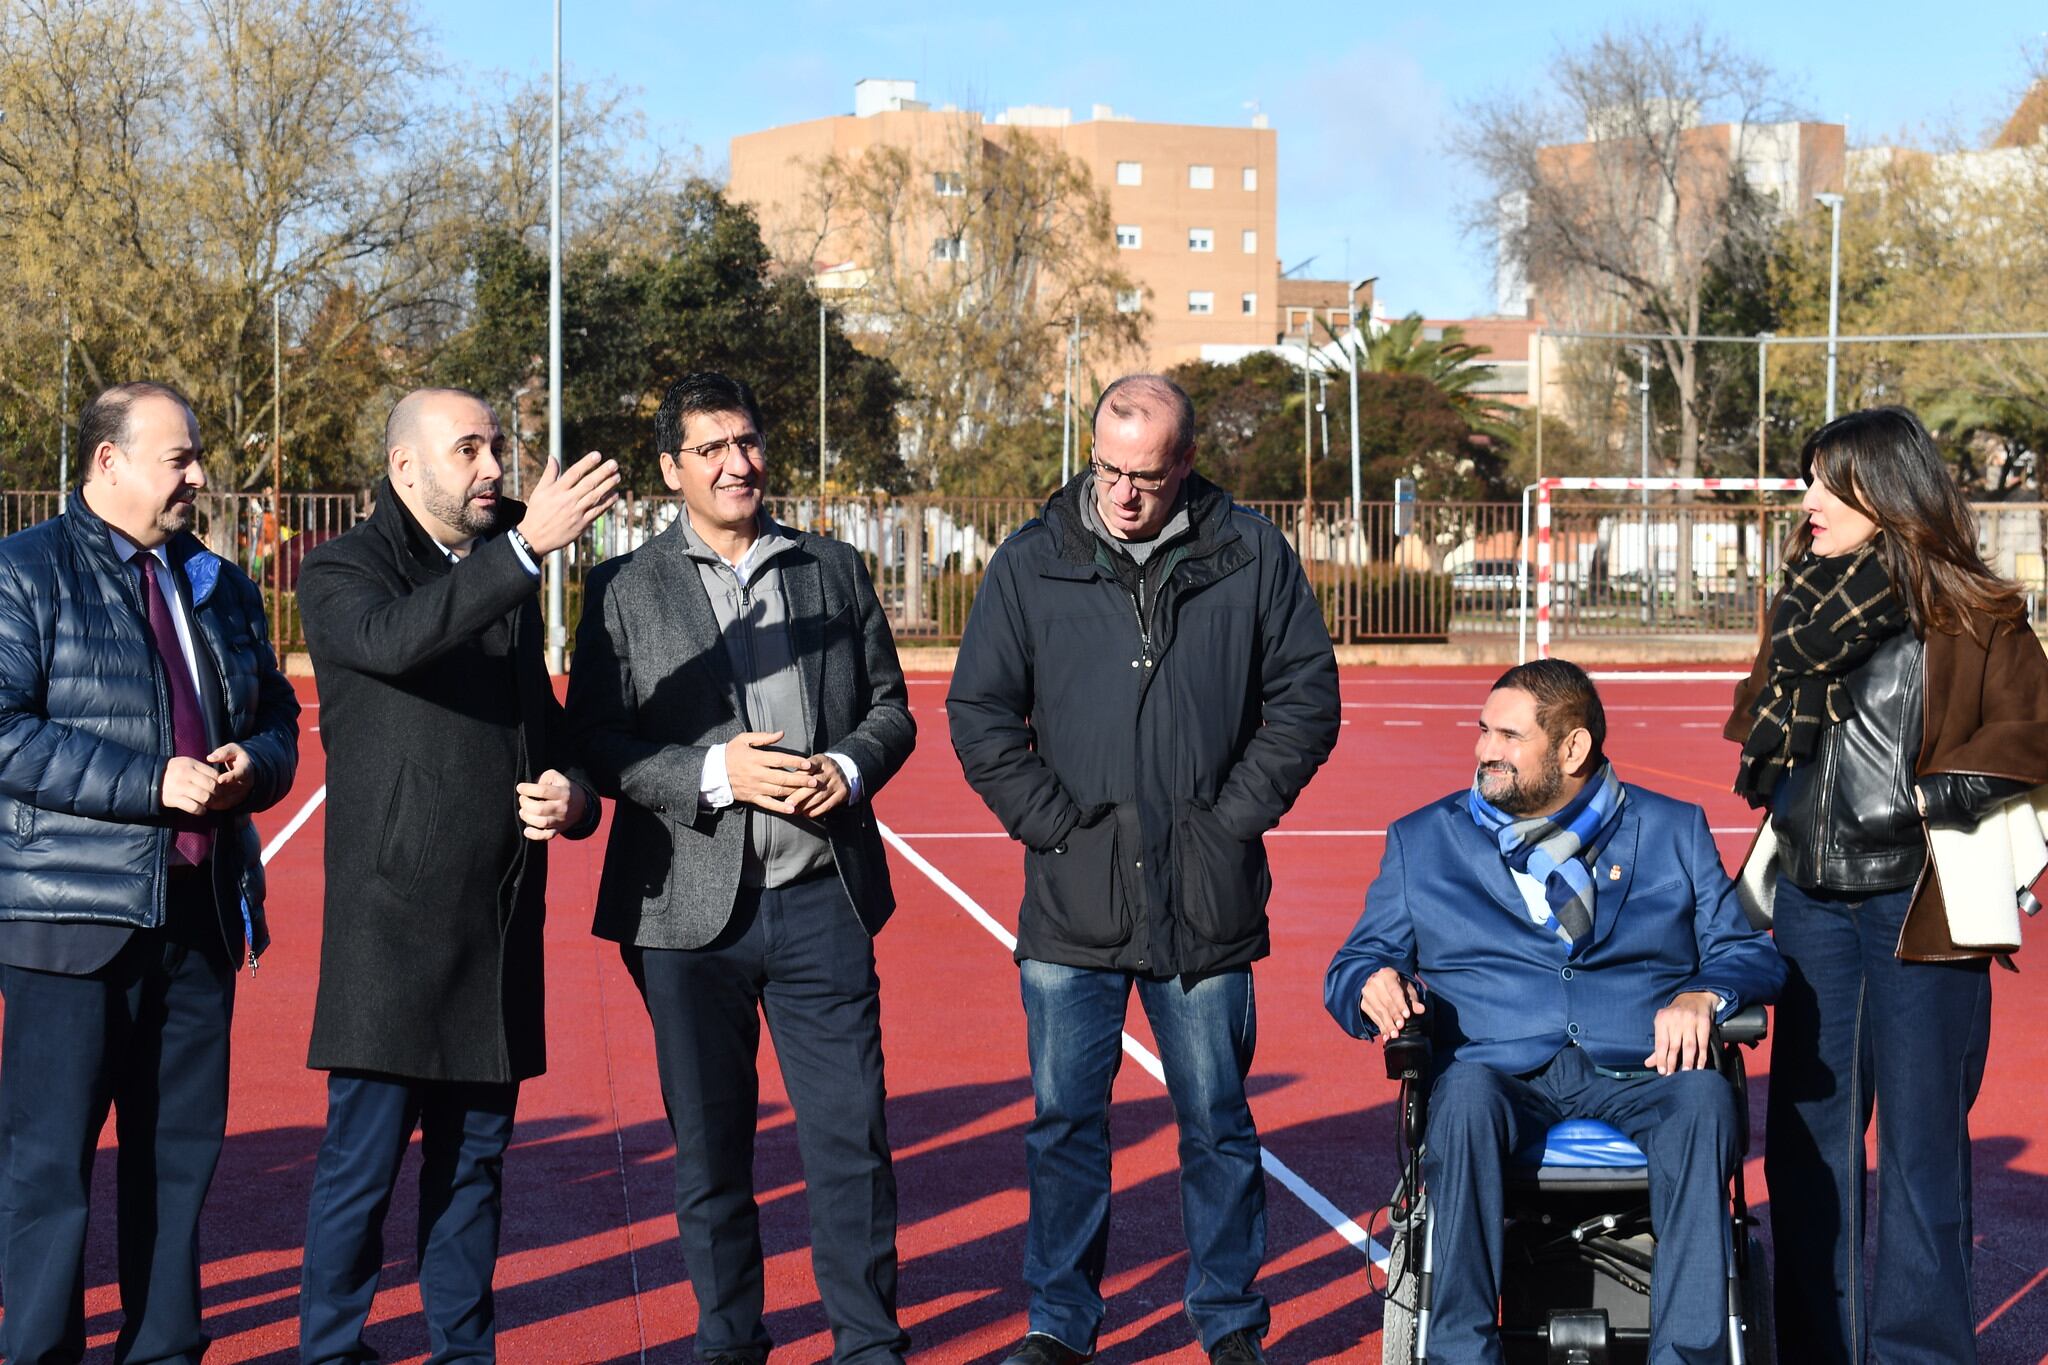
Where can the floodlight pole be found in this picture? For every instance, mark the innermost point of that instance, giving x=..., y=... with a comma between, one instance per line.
x=820, y=414
x=64, y=415
x=1643, y=389
x=557, y=631
x=1357, y=485
x=1834, y=207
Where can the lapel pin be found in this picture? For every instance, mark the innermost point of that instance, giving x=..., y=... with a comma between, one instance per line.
x=1614, y=873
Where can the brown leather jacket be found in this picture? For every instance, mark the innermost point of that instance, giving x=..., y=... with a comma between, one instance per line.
x=1984, y=699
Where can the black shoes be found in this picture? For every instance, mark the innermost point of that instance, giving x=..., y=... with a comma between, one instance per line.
x=1039, y=1349
x=1238, y=1348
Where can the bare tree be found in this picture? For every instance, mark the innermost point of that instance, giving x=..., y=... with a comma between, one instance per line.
x=1615, y=191
x=974, y=257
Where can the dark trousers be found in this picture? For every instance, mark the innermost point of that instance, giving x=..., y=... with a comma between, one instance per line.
x=464, y=1129
x=147, y=1034
x=798, y=955
x=1687, y=1125
x=1857, y=1026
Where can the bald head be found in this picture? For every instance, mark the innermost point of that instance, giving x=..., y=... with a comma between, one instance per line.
x=1152, y=399
x=444, y=447
x=403, y=427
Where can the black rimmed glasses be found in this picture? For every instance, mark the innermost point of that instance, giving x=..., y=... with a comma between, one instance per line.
x=1108, y=474
x=749, y=444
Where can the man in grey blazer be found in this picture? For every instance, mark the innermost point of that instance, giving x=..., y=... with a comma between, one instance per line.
x=736, y=690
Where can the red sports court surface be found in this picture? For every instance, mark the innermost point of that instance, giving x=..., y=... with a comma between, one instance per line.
x=591, y=1272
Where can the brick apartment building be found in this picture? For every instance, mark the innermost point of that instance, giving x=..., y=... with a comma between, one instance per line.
x=1193, y=208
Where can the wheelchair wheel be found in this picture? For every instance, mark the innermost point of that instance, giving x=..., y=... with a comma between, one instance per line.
x=1759, y=1319
x=1397, y=1334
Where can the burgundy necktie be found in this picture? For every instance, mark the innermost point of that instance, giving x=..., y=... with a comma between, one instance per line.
x=188, y=724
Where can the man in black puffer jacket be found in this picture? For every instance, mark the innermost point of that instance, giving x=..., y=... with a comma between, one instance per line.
x=142, y=719
x=1144, y=686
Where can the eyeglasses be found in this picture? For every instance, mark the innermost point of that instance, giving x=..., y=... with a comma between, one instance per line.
x=1108, y=474
x=748, y=445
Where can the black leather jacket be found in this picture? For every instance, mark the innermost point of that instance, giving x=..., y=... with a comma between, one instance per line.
x=1847, y=821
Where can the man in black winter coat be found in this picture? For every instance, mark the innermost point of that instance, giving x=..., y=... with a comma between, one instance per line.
x=442, y=732
x=1144, y=687
x=142, y=719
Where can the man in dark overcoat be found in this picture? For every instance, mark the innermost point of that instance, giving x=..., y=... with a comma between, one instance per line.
x=445, y=783
x=142, y=720
x=736, y=689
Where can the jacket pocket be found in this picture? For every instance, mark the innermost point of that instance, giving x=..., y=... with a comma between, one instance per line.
x=1073, y=887
x=24, y=821
x=1223, y=880
x=408, y=826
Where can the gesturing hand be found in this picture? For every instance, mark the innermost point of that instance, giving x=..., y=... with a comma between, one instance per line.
x=565, y=502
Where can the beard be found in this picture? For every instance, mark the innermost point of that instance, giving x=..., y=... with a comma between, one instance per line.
x=456, y=510
x=177, y=517
x=1507, y=789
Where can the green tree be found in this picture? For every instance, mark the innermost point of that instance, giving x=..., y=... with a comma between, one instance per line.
x=703, y=298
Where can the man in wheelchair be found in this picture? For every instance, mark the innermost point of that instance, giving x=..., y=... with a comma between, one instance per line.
x=1571, y=942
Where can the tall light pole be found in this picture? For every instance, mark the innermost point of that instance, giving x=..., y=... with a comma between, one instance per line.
x=64, y=415
x=1308, y=418
x=1834, y=208
x=1643, y=390
x=557, y=629
x=1357, y=488
x=821, y=414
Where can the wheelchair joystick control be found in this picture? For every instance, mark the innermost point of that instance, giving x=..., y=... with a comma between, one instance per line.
x=1408, y=1052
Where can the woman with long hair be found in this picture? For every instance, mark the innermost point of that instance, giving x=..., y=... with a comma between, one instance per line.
x=1900, y=687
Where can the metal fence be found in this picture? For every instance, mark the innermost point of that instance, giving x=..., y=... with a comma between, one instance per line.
x=1420, y=572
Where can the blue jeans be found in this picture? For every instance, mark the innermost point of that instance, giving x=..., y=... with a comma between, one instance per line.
x=1206, y=1028
x=1857, y=1026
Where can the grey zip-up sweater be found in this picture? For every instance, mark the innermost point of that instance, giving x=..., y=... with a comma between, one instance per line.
x=753, y=619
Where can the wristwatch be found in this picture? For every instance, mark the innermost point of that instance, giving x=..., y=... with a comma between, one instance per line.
x=524, y=544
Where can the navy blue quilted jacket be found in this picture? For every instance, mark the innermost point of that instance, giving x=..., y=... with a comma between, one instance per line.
x=85, y=728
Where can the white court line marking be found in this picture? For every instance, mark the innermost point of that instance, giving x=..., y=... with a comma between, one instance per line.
x=1308, y=1194
x=292, y=827
x=1396, y=722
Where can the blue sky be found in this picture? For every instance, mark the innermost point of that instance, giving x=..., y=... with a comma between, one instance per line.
x=1363, y=97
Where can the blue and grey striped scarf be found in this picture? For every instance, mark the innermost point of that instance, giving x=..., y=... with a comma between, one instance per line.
x=1558, y=850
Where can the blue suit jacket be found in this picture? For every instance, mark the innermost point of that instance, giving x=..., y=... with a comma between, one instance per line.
x=1445, y=907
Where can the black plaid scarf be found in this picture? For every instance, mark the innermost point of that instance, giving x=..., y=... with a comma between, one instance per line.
x=1832, y=615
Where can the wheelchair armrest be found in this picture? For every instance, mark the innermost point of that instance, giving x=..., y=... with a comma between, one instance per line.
x=1747, y=1026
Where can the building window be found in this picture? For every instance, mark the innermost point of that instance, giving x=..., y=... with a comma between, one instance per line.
x=1297, y=318
x=1201, y=239
x=1251, y=177
x=949, y=248
x=1201, y=177
x=1201, y=301
x=1340, y=317
x=948, y=184
x=1129, y=300
x=1248, y=304
x=1129, y=236
x=1251, y=242
x=1130, y=173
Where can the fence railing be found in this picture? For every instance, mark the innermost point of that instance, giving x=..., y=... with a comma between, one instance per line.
x=1419, y=572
